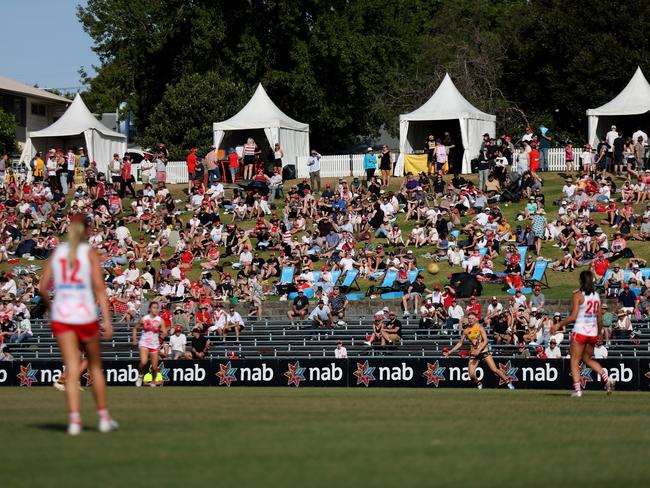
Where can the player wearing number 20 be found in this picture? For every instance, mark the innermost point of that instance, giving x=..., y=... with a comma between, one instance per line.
x=74, y=270
x=586, y=316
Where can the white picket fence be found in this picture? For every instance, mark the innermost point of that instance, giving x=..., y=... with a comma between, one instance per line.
x=556, y=160
x=176, y=172
x=346, y=165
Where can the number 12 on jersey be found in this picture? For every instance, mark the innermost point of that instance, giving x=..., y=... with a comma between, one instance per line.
x=69, y=277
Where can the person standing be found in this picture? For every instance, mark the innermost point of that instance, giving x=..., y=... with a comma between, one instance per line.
x=609, y=139
x=115, y=167
x=212, y=166
x=544, y=144
x=483, y=168
x=127, y=177
x=278, y=154
x=191, y=160
x=233, y=163
x=430, y=150
x=250, y=148
x=450, y=146
x=75, y=271
x=385, y=165
x=154, y=328
x=71, y=164
x=619, y=149
x=479, y=351
x=146, y=167
x=369, y=164
x=161, y=168
x=441, y=156
x=587, y=319
x=52, y=165
x=313, y=163
x=38, y=170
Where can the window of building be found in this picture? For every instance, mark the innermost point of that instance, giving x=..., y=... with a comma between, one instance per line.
x=38, y=109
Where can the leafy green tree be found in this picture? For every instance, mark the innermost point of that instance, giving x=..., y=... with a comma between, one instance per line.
x=184, y=117
x=7, y=133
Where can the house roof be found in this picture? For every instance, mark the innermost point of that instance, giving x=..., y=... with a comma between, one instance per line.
x=7, y=84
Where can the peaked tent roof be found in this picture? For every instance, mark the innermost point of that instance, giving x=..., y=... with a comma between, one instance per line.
x=7, y=84
x=634, y=99
x=447, y=103
x=258, y=113
x=76, y=120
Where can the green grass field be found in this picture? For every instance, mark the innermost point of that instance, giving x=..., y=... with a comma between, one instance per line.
x=328, y=437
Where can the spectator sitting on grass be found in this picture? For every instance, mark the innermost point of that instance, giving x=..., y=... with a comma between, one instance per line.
x=392, y=330
x=537, y=300
x=321, y=316
x=299, y=307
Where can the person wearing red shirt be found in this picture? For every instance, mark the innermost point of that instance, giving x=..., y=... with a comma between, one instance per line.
x=127, y=178
x=474, y=307
x=202, y=318
x=600, y=265
x=533, y=156
x=448, y=296
x=191, y=161
x=233, y=164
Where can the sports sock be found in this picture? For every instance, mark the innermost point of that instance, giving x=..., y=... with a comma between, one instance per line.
x=576, y=386
x=103, y=414
x=604, y=376
x=74, y=418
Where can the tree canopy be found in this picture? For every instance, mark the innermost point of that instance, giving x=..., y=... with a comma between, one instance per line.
x=7, y=133
x=350, y=67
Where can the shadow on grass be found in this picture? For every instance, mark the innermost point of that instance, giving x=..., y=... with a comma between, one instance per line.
x=54, y=427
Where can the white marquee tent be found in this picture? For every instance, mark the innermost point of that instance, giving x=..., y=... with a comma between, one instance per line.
x=77, y=127
x=633, y=100
x=447, y=103
x=261, y=113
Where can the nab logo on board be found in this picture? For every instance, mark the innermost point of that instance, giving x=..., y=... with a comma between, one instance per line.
x=619, y=373
x=258, y=374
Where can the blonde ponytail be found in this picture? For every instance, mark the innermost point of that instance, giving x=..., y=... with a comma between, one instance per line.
x=76, y=234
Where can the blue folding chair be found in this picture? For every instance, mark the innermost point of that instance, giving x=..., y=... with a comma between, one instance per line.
x=349, y=280
x=522, y=262
x=539, y=275
x=286, y=284
x=387, y=283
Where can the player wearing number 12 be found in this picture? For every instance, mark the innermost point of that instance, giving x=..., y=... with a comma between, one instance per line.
x=75, y=271
x=586, y=316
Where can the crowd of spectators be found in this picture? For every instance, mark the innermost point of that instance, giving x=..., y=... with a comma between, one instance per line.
x=225, y=239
